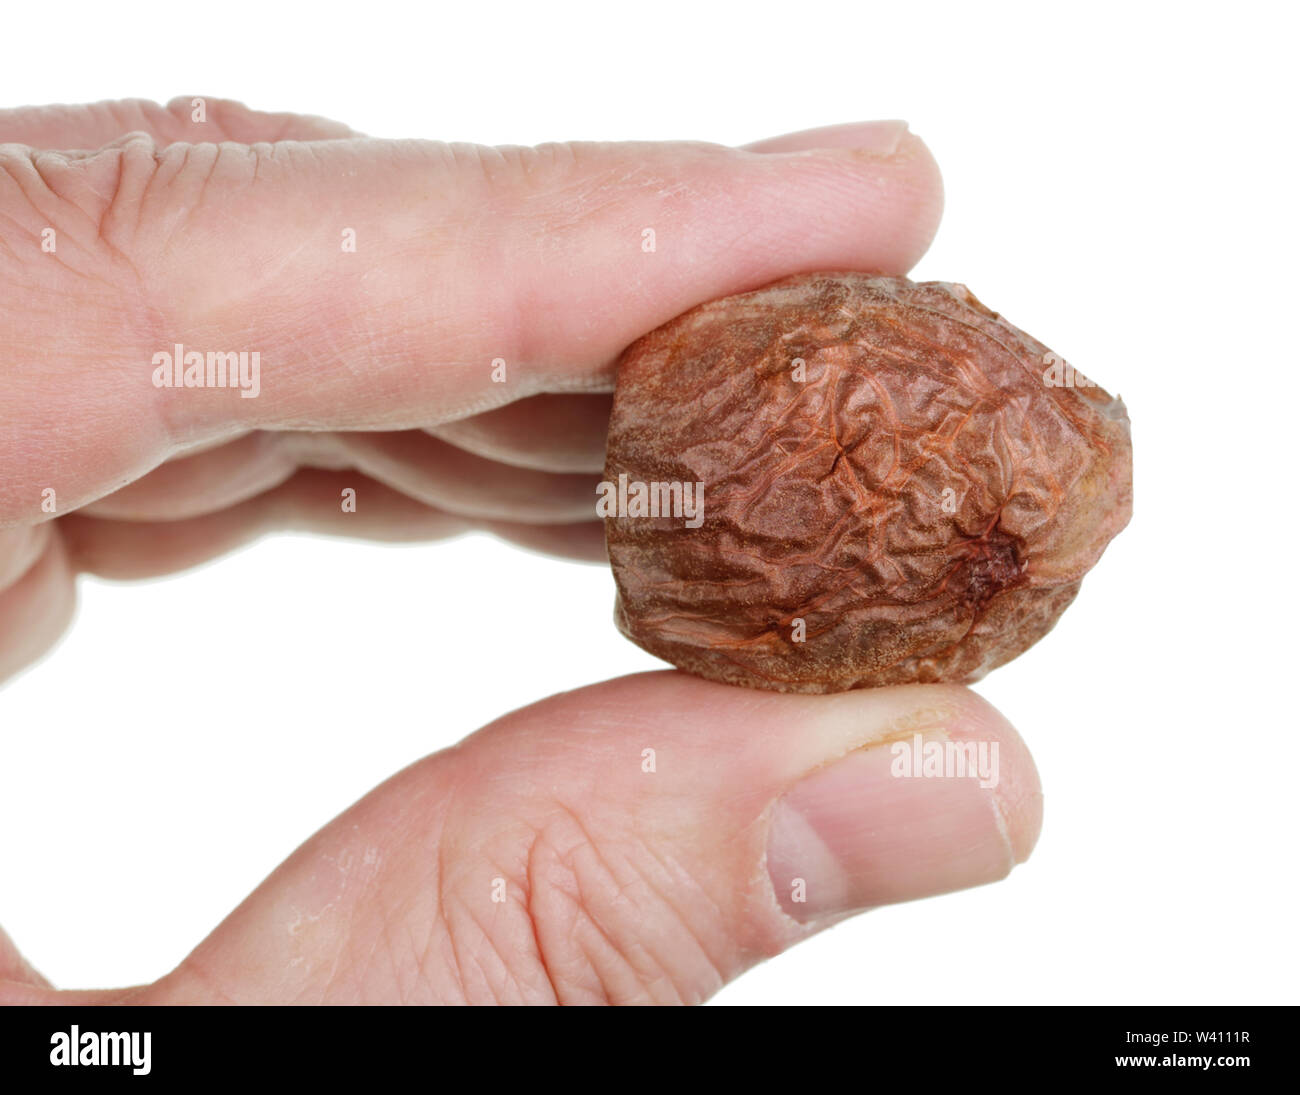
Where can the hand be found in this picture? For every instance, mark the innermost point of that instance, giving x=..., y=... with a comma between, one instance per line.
x=436, y=328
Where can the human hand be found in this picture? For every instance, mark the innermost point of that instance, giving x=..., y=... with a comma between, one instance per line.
x=377, y=376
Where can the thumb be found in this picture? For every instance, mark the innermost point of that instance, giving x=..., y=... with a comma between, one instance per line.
x=644, y=840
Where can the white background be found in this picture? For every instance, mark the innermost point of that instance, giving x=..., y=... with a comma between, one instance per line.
x=1120, y=181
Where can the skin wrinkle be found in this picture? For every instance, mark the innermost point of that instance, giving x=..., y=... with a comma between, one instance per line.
x=121, y=261
x=467, y=957
x=645, y=970
x=403, y=959
x=450, y=902
x=671, y=868
x=192, y=152
x=563, y=994
x=584, y=204
x=383, y=941
x=8, y=251
x=547, y=851
x=30, y=158
x=414, y=972
x=469, y=948
x=586, y=903
x=439, y=886
x=534, y=976
x=82, y=129
x=24, y=179
x=131, y=190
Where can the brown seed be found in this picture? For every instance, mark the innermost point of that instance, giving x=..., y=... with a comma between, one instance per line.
x=896, y=485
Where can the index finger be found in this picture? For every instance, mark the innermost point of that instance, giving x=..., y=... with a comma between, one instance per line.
x=385, y=284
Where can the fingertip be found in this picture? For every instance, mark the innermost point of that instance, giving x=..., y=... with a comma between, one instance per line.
x=914, y=180
x=916, y=196
x=941, y=797
x=927, y=194
x=1017, y=794
x=886, y=208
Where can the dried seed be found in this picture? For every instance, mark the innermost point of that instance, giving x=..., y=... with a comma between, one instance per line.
x=840, y=481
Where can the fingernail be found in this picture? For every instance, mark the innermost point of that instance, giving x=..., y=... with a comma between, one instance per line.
x=884, y=824
x=874, y=138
